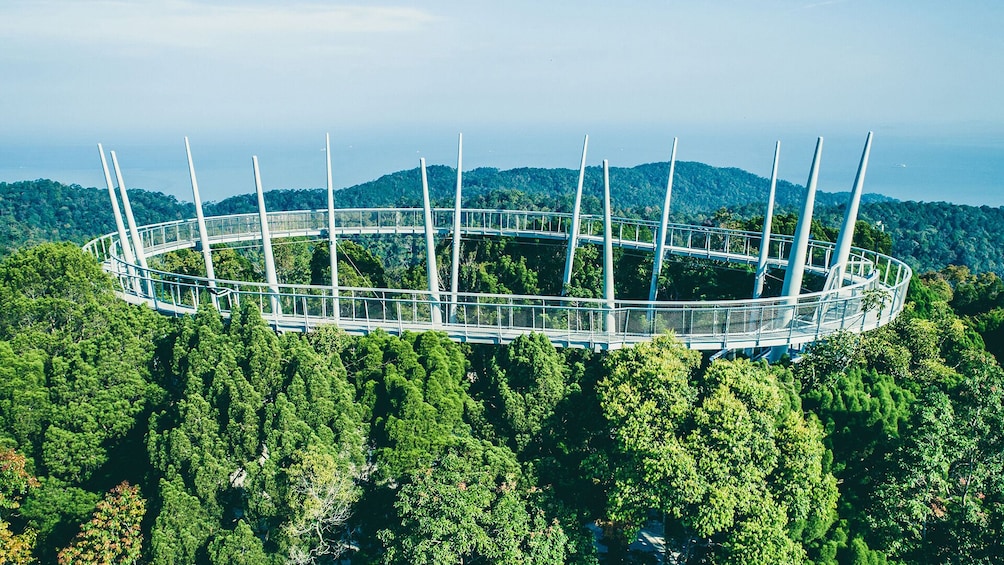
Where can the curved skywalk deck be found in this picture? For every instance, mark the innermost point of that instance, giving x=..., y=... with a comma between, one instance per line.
x=872, y=293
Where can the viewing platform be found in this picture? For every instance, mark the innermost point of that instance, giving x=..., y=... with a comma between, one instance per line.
x=873, y=293
x=863, y=289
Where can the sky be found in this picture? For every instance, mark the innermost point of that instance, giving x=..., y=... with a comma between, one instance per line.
x=524, y=81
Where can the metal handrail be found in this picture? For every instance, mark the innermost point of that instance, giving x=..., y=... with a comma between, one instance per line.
x=494, y=318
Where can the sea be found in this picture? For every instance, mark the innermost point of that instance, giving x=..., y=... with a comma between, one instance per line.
x=958, y=168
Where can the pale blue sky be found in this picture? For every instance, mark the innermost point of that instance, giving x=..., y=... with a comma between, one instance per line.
x=524, y=80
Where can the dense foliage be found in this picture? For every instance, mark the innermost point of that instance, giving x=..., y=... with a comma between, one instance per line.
x=33, y=212
x=933, y=235
x=128, y=437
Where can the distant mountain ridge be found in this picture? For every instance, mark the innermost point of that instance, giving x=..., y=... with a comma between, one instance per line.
x=697, y=188
x=928, y=235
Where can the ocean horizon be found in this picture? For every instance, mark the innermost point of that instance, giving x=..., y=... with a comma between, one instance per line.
x=961, y=170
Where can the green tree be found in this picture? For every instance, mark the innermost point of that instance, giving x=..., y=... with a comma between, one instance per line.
x=292, y=260
x=82, y=363
x=24, y=398
x=357, y=266
x=183, y=262
x=646, y=397
x=256, y=420
x=55, y=511
x=258, y=350
x=232, y=266
x=727, y=453
x=413, y=390
x=237, y=547
x=944, y=489
x=526, y=380
x=182, y=525
x=990, y=326
x=114, y=534
x=15, y=482
x=470, y=507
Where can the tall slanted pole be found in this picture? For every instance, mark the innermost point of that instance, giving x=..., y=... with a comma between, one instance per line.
x=660, y=244
x=266, y=243
x=843, y=246
x=796, y=258
x=573, y=231
x=455, y=263
x=127, y=253
x=768, y=218
x=608, y=254
x=332, y=243
x=207, y=253
x=137, y=241
x=430, y=246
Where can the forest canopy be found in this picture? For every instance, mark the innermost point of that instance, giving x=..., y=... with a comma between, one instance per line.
x=130, y=437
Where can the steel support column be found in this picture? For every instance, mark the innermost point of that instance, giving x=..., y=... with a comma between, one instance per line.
x=455, y=263
x=332, y=241
x=207, y=253
x=843, y=246
x=266, y=243
x=768, y=218
x=573, y=230
x=796, y=258
x=137, y=241
x=660, y=244
x=608, y=254
x=430, y=248
x=127, y=253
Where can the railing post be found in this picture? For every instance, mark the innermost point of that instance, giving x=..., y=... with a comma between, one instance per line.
x=728, y=322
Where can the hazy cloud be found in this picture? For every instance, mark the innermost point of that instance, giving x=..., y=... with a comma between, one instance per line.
x=166, y=65
x=821, y=3
x=187, y=23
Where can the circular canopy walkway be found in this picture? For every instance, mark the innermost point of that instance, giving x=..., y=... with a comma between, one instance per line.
x=870, y=293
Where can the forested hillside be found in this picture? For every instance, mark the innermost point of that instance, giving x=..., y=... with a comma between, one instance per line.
x=129, y=437
x=33, y=212
x=928, y=235
x=932, y=235
x=44, y=210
